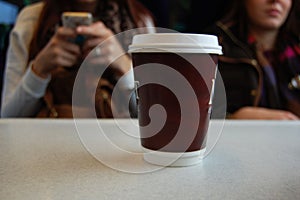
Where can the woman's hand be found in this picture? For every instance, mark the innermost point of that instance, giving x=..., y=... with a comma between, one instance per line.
x=263, y=114
x=59, y=52
x=109, y=51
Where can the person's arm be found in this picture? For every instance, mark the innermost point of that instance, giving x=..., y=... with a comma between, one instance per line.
x=259, y=113
x=22, y=89
x=25, y=98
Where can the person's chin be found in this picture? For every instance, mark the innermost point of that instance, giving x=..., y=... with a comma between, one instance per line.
x=274, y=24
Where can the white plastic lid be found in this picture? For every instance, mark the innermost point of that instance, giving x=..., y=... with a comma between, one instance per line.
x=175, y=42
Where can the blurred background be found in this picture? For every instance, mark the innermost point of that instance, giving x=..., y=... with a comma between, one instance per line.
x=189, y=16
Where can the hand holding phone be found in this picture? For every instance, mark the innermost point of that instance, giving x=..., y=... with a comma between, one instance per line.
x=74, y=19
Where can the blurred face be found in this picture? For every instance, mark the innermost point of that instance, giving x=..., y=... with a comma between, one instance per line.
x=268, y=14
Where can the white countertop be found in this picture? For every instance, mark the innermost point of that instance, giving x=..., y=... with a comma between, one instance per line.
x=45, y=159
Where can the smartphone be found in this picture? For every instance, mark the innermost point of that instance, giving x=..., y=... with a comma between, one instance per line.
x=74, y=19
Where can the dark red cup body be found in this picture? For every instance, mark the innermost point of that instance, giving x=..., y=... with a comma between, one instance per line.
x=199, y=70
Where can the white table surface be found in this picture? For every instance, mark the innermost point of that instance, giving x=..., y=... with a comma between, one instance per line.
x=45, y=159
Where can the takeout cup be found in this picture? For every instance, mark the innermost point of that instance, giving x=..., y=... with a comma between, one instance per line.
x=175, y=75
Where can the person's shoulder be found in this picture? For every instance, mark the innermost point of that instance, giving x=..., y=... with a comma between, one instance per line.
x=31, y=11
x=26, y=22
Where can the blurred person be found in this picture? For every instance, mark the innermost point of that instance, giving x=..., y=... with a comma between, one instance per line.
x=42, y=61
x=260, y=65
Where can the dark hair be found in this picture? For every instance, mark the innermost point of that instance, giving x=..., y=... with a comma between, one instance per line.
x=52, y=10
x=237, y=16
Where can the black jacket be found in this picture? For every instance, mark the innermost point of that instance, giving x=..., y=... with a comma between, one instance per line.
x=240, y=72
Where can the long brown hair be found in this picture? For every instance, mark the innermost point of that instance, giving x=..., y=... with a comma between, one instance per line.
x=52, y=10
x=237, y=16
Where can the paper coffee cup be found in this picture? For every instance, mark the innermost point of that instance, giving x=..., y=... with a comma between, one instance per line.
x=176, y=74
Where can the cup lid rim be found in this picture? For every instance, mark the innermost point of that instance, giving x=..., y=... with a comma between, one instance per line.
x=175, y=42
